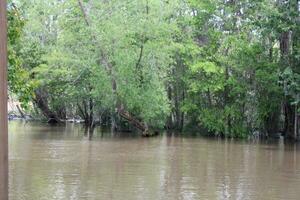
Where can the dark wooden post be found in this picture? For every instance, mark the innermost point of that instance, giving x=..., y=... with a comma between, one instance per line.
x=3, y=104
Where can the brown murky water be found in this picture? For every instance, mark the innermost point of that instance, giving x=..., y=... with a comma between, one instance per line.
x=61, y=163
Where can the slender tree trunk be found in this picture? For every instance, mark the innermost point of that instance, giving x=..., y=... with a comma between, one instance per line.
x=182, y=113
x=169, y=124
x=289, y=121
x=226, y=102
x=91, y=117
x=81, y=111
x=290, y=115
x=296, y=123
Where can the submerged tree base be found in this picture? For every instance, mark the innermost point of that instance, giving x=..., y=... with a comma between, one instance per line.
x=150, y=133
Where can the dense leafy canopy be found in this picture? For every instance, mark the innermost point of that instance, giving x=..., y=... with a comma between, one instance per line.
x=228, y=67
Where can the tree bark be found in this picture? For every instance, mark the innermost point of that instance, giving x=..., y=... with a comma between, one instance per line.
x=42, y=103
x=3, y=104
x=135, y=122
x=290, y=114
x=296, y=123
x=91, y=113
x=20, y=111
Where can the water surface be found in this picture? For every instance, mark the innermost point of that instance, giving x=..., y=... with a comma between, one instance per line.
x=61, y=162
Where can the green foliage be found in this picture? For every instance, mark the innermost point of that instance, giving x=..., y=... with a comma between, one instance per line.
x=19, y=79
x=76, y=54
x=216, y=64
x=233, y=80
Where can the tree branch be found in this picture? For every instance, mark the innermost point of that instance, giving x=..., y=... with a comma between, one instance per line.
x=140, y=57
x=83, y=12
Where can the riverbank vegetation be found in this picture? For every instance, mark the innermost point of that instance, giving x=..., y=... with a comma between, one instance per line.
x=225, y=67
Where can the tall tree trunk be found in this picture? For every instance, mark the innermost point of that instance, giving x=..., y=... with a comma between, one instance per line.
x=91, y=113
x=182, y=113
x=289, y=111
x=296, y=123
x=170, y=122
x=272, y=121
x=227, y=101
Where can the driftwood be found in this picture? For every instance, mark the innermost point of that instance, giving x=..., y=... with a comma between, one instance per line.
x=21, y=112
x=135, y=122
x=42, y=103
